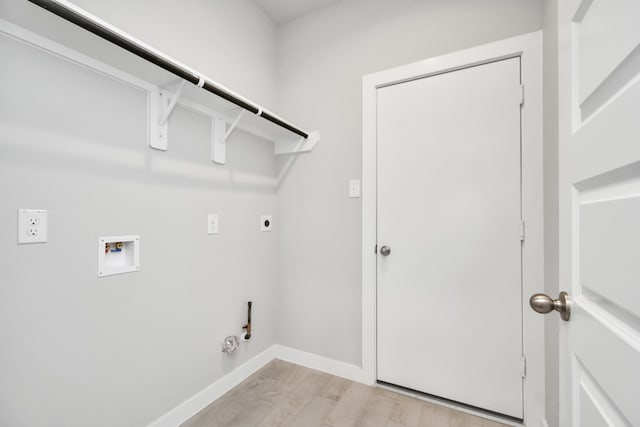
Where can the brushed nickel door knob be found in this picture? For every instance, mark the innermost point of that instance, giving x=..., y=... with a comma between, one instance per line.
x=385, y=250
x=543, y=303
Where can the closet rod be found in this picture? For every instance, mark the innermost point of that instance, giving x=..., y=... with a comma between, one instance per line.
x=137, y=49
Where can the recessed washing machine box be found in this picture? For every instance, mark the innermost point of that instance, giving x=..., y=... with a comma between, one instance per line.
x=118, y=254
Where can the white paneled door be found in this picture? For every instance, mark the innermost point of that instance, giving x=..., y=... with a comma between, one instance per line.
x=449, y=285
x=600, y=212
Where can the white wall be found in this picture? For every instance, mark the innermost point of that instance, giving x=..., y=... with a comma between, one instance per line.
x=121, y=351
x=321, y=60
x=551, y=286
x=231, y=41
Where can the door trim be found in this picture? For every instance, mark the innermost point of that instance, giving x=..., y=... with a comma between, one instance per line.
x=529, y=48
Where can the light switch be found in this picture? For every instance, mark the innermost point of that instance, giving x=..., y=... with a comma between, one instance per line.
x=212, y=223
x=354, y=188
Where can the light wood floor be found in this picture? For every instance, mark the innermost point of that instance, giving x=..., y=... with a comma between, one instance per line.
x=283, y=394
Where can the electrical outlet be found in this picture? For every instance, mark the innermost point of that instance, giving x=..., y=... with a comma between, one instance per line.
x=32, y=226
x=266, y=223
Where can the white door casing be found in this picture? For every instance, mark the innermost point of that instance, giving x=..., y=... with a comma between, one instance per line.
x=528, y=49
x=449, y=208
x=599, y=82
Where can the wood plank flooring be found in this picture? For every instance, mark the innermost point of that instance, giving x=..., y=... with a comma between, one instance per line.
x=286, y=395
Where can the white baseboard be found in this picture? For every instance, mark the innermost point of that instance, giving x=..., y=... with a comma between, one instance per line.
x=320, y=363
x=200, y=400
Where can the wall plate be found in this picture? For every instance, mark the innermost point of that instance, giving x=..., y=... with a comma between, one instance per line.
x=354, y=188
x=266, y=223
x=32, y=226
x=118, y=254
x=212, y=223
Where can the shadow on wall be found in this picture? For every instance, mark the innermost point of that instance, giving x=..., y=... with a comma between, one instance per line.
x=72, y=126
x=58, y=150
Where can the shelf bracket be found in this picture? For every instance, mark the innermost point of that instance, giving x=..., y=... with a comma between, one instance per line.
x=234, y=124
x=167, y=103
x=168, y=106
x=220, y=133
x=304, y=145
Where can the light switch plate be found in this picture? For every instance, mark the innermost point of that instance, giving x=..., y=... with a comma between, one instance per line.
x=212, y=223
x=32, y=226
x=266, y=223
x=354, y=188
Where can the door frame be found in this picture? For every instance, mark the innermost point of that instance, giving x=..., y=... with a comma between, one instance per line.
x=529, y=48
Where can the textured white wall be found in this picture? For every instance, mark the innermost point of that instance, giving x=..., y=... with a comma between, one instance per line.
x=121, y=351
x=321, y=60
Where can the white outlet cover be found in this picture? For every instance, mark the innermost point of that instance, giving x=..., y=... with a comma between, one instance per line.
x=212, y=223
x=266, y=223
x=32, y=226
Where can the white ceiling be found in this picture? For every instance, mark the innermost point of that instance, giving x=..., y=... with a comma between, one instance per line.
x=283, y=11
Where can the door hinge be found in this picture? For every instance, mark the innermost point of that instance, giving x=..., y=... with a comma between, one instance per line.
x=521, y=94
x=522, y=231
x=524, y=367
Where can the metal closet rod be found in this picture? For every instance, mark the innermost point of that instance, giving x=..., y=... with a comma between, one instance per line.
x=145, y=53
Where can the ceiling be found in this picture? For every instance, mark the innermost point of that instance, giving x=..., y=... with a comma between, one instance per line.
x=283, y=11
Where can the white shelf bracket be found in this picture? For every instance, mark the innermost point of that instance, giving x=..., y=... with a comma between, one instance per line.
x=166, y=104
x=167, y=107
x=220, y=133
x=218, y=142
x=156, y=134
x=297, y=147
x=234, y=124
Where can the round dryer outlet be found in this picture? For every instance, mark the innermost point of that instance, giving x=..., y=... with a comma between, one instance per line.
x=266, y=223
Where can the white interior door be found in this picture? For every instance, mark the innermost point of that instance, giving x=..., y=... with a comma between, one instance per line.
x=600, y=211
x=449, y=311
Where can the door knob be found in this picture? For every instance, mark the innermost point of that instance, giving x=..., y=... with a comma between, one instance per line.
x=543, y=303
x=385, y=250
